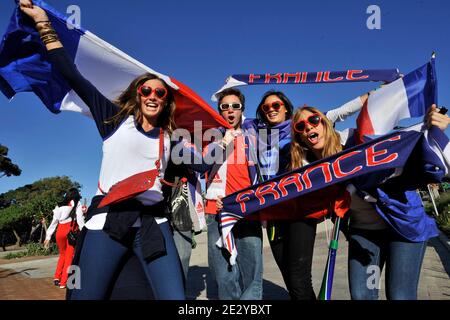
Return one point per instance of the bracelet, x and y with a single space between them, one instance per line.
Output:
49 38
45 32
47 21
44 25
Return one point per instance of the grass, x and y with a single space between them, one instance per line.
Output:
34 249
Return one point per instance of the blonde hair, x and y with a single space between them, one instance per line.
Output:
129 103
299 151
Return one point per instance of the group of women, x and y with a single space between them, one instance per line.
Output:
135 130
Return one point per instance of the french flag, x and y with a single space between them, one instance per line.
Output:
226 224
25 67
406 97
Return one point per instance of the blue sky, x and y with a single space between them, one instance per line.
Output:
201 42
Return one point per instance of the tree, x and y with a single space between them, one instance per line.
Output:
23 208
7 167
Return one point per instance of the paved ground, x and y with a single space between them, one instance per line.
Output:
32 279
434 282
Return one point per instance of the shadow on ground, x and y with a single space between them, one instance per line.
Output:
7 272
200 280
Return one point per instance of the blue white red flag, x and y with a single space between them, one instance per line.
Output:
406 97
25 67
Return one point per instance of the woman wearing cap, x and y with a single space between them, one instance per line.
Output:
68 216
135 131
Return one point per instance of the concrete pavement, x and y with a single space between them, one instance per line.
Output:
434 282
32 279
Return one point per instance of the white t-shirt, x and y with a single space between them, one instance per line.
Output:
61 216
126 152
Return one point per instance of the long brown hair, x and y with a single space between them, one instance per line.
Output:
299 151
130 104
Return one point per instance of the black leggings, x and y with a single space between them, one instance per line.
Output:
292 248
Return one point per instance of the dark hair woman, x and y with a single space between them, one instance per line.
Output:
67 216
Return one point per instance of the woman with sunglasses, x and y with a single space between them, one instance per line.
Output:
274 114
135 131
374 239
291 237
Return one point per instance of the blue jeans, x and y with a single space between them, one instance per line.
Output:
101 256
369 251
244 279
183 242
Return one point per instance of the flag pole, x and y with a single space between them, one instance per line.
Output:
327 280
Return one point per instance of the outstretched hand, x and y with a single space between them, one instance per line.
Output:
34 12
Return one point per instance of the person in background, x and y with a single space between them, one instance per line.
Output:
66 217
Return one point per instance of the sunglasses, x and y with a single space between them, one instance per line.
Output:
313 120
226 106
146 91
274 105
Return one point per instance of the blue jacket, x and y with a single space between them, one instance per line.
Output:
398 203
273 151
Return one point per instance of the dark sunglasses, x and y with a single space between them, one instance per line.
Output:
274 105
313 120
226 106
146 91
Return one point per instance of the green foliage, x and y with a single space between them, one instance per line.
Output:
443 207
34 249
7 167
19 207
441 203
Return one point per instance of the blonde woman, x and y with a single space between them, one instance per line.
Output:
313 138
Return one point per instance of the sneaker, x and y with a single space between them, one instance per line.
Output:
62 287
56 282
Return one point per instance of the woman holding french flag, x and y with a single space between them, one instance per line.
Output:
388 227
135 131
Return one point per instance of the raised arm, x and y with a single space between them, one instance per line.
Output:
346 110
101 107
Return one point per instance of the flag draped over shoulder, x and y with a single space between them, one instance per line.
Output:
406 97
379 157
25 67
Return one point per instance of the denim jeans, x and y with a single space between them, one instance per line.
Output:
369 251
183 242
242 281
293 251
101 257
